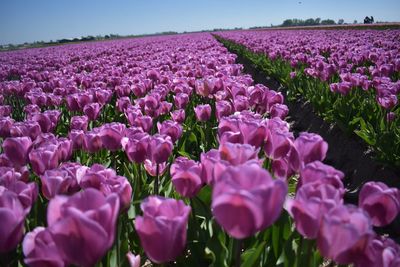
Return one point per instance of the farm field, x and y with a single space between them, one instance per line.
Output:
163 151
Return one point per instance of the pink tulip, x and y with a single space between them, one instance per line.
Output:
244 206
164 221
380 202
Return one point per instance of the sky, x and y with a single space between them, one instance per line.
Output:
44 20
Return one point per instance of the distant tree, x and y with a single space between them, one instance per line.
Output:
340 21
328 22
355 21
287 23
309 22
318 21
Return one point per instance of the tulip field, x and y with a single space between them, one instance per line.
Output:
350 77
161 151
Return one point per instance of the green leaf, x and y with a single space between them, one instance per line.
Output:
252 255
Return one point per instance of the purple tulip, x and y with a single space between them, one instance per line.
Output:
26 128
86 222
164 221
256 94
170 128
279 110
92 111
123 103
278 143
92 141
58 181
308 147
17 149
111 135
390 117
344 233
223 108
151 168
181 100
77 138
134 261
237 154
5 126
317 172
312 201
5 111
281 168
380 202
144 122
135 147
107 181
178 116
131 113
159 148
44 158
244 206
12 217
40 250
186 176
79 123
381 251
203 112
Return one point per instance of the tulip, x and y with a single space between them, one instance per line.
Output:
12 217
79 123
178 115
77 138
170 128
136 147
92 141
186 176
44 158
145 122
344 233
123 103
26 128
244 206
181 100
92 111
164 221
203 112
17 149
223 108
278 143
134 261
159 148
308 147
151 168
317 172
107 181
40 250
57 181
279 110
5 126
312 201
25 192
111 135
237 154
381 251
380 202
85 222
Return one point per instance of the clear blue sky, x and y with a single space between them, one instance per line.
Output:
35 20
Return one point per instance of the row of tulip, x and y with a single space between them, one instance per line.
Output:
350 77
161 148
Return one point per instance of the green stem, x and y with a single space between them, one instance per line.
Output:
238 251
156 180
118 243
